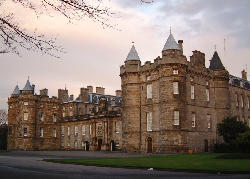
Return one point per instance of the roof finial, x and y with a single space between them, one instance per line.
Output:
215 47
170 30
28 78
65 86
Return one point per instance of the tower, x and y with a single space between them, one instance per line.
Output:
130 85
221 87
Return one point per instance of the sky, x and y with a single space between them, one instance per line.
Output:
94 54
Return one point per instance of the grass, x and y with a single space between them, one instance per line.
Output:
196 162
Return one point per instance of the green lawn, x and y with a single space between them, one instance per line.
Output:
196 162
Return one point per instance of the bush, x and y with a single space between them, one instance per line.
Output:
226 148
244 141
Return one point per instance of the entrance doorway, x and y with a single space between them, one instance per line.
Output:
149 145
86 146
206 145
99 144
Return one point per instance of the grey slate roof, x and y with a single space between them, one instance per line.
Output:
16 90
171 44
236 81
27 86
133 55
215 62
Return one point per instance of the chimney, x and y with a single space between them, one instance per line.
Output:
244 74
84 94
180 42
71 98
118 93
44 92
90 89
33 88
63 95
198 58
100 90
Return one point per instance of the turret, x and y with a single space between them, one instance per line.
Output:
28 89
131 102
16 91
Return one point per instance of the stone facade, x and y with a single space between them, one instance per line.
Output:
37 122
185 99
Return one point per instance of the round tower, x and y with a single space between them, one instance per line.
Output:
130 85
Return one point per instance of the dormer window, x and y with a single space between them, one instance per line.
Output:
25 103
175 72
149 78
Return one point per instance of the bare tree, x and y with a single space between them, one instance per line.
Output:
3 117
14 37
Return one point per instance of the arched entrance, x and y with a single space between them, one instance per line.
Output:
206 145
99 144
149 145
112 146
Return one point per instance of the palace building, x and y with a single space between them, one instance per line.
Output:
170 105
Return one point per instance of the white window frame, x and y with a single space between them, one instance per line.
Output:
175 87
242 101
149 121
41 131
83 130
41 116
90 130
209 121
176 118
192 91
149 91
117 127
76 130
68 131
207 94
25 116
148 77
71 113
54 132
62 130
54 117
193 116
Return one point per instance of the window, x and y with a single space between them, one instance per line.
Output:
54 117
192 91
41 116
149 121
175 72
191 79
41 132
54 107
149 91
68 144
76 130
62 130
75 144
10 106
25 131
117 127
176 118
175 87
237 100
208 121
68 131
25 116
10 130
242 101
25 103
149 78
83 130
90 130
63 114
54 132
241 84
207 84
207 94
71 113
193 119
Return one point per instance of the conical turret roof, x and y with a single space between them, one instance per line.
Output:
215 62
27 86
171 44
16 91
133 55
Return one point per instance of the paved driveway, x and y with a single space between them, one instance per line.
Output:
30 165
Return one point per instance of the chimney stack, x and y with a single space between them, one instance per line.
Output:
180 42
100 90
244 74
90 89
118 93
44 92
84 94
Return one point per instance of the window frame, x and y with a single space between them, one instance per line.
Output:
149 121
149 91
193 120
176 117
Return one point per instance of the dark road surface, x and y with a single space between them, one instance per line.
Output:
29 165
